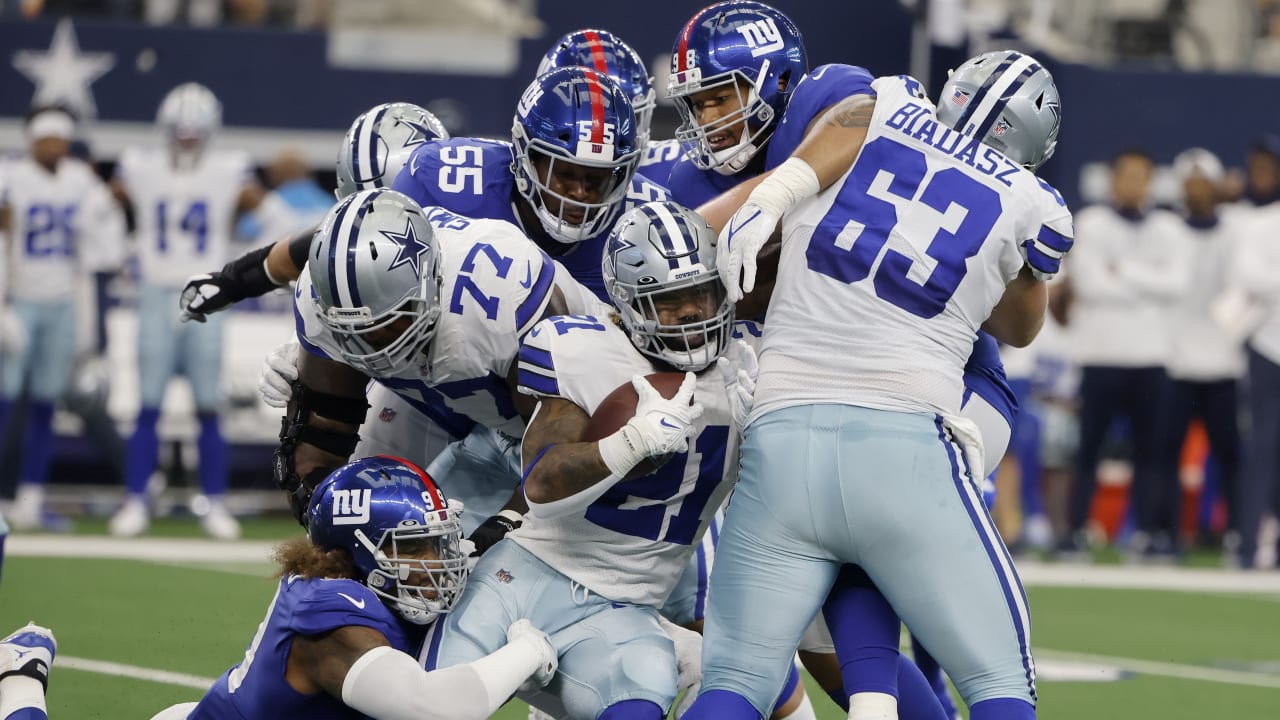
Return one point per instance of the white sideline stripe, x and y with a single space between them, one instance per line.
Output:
186 550
1124 577
1174 670
103 667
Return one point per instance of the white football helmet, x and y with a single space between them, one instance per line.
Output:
379 143
189 115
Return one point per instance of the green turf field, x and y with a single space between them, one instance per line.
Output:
185 615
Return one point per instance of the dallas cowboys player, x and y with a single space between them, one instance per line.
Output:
907 347
184 196
383 562
588 561
430 303
55 210
606 53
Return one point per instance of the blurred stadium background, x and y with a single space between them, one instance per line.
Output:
143 623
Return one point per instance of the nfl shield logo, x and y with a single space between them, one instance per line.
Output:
387 414
1000 128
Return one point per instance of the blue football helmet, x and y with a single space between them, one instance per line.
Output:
755 50
575 123
404 536
661 254
379 143
605 52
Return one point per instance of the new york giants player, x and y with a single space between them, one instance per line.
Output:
55 209
430 303
903 185
597 555
184 196
383 561
606 53
26 658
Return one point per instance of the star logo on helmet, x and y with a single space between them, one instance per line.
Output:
418 133
411 248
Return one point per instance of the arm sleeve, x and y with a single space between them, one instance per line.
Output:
387 684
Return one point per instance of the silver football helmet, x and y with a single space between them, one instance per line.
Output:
660 271
1007 100
189 116
375 270
379 143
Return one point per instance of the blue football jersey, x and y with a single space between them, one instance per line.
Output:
256 688
816 91
984 376
473 178
660 156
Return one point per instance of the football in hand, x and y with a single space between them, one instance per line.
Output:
619 406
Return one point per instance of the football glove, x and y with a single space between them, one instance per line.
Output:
738 368
739 245
279 371
494 529
523 631
244 277
660 426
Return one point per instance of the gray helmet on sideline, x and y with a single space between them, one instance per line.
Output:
379 143
1007 100
661 260
375 264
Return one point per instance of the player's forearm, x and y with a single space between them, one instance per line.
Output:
289 255
563 471
389 685
1018 317
836 139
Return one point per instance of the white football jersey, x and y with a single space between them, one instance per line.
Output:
183 216
886 276
630 545
57 218
496 286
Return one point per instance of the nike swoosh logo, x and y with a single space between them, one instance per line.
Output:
358 603
744 223
663 422
528 276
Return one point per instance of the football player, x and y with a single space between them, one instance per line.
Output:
606 53
382 563
54 209
590 560
430 303
184 197
26 657
907 349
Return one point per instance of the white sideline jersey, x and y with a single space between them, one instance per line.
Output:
632 544
59 221
886 276
183 216
496 286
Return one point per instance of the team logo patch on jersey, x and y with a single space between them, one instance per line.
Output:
387 414
504 577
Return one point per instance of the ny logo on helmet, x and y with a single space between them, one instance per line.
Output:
762 35
529 99
351 507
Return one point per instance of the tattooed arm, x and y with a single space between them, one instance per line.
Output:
568 466
833 140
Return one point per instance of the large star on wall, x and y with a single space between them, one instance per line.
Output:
62 74
410 250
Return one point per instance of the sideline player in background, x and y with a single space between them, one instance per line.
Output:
902 175
184 197
53 207
382 563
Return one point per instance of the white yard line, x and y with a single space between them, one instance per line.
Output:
103 667
1164 669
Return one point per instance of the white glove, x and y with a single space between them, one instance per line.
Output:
523 631
13 333
688 663
738 368
278 373
28 651
739 244
660 426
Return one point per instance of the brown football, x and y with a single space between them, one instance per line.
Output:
619 406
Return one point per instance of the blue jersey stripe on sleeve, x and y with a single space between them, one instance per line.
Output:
537 382
537 356
1054 240
528 311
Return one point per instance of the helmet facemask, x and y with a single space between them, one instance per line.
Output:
575 220
698 315
643 106
755 114
421 567
361 335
